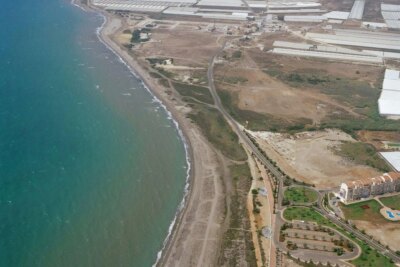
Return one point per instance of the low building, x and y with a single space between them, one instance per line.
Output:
369 187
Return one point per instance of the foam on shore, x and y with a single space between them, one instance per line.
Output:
176 124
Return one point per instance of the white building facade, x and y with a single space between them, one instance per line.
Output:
369 187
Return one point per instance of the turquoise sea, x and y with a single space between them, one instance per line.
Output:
92 170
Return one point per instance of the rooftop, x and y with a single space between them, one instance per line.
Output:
386 177
393 158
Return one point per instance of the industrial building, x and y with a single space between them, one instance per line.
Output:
389 101
369 187
392 158
324 51
357 10
391 15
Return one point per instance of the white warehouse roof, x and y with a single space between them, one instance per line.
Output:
337 15
389 102
391 85
392 74
393 158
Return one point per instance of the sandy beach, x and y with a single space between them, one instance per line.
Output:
195 238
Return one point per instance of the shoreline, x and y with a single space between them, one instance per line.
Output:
138 72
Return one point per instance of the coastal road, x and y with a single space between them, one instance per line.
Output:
244 139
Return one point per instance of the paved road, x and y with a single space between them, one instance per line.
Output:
374 244
238 128
244 139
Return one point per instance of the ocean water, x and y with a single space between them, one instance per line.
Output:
92 170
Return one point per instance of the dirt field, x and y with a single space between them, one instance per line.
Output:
387 233
186 45
263 94
379 139
291 64
287 88
309 157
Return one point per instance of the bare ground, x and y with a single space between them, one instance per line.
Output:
309 157
388 233
264 94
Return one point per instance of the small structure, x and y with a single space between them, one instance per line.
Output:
368 187
144 36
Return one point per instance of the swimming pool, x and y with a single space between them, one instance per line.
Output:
390 214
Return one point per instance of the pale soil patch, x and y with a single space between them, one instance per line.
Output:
310 157
123 38
387 233
286 262
186 47
264 94
292 64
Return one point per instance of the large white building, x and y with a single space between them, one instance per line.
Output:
368 187
389 102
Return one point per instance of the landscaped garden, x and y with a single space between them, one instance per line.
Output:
368 257
392 202
300 195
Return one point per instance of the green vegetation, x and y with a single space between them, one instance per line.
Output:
305 214
199 93
392 202
156 60
135 36
362 153
371 258
166 73
368 257
240 171
394 145
155 75
234 80
256 121
236 240
237 54
361 96
218 131
164 82
301 194
366 211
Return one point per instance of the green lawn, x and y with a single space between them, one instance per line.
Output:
300 195
366 211
368 257
371 258
391 202
305 214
